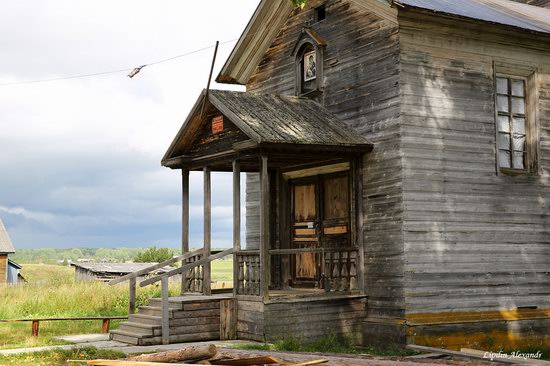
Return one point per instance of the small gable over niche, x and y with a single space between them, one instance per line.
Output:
308 54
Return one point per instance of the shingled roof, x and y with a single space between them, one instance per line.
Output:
504 12
6 245
274 119
283 119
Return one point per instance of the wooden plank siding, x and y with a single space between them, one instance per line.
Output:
361 87
3 268
477 243
312 319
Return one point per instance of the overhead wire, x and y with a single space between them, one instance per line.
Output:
78 76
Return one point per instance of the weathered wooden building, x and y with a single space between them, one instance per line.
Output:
106 272
403 152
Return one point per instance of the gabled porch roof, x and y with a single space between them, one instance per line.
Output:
300 130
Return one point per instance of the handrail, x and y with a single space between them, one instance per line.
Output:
311 250
149 269
186 267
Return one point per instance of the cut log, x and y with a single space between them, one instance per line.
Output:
127 363
195 353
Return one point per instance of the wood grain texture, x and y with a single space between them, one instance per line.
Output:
3 268
361 87
476 241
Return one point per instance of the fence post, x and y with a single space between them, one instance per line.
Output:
165 311
132 296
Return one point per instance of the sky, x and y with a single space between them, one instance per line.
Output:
80 158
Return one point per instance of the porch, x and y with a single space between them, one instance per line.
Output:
305 269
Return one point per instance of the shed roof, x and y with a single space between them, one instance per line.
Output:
273 119
6 245
13 264
504 12
117 267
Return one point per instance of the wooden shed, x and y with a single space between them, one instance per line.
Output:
106 272
7 267
398 160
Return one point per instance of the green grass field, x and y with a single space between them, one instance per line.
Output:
52 292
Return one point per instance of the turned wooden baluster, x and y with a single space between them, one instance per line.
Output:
344 282
247 275
335 272
200 276
240 289
353 272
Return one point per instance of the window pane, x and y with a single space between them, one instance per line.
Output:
504 159
518 88
518 160
518 105
504 124
518 125
504 141
502 85
519 142
502 104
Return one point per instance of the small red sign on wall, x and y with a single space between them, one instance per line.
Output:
217 124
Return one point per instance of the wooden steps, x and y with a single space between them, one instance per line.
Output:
192 318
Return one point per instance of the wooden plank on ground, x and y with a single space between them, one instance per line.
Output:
307 363
263 360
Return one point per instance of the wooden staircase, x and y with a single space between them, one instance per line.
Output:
192 318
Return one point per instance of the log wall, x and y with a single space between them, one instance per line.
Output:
477 242
361 87
305 319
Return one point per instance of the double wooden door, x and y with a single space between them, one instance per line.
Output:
320 218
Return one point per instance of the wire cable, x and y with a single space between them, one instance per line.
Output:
114 71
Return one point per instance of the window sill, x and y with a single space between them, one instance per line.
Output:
515 172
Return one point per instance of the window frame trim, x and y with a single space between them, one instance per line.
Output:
532 153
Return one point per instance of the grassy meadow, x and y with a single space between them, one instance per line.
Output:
51 291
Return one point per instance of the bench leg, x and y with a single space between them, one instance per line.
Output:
106 325
35 327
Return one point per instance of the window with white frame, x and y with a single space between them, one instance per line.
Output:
512 124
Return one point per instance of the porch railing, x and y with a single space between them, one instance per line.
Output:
163 278
337 268
248 280
132 277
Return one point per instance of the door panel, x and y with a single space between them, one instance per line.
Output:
336 211
305 233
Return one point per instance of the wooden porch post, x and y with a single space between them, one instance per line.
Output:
184 221
264 229
358 177
236 222
207 231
